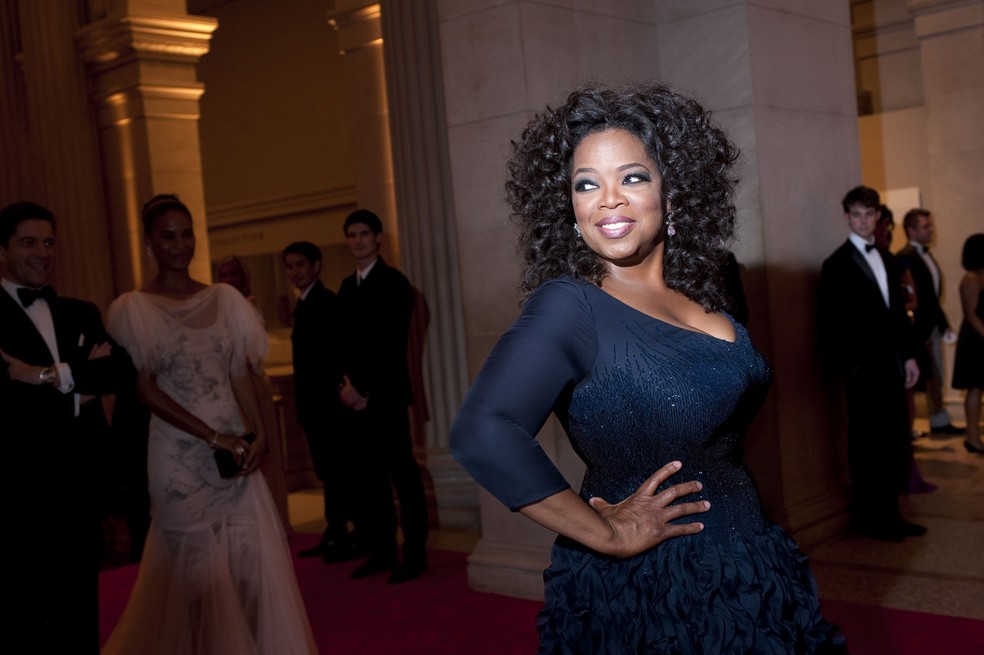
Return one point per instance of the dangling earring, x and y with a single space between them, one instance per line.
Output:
577 231
670 230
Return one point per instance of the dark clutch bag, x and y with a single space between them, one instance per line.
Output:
227 462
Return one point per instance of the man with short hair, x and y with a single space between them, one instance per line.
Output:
929 321
867 336
316 344
55 359
376 304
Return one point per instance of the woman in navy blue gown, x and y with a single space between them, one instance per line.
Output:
624 198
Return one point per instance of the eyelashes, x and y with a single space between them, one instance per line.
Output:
584 184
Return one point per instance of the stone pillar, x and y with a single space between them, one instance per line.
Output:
951 46
361 42
16 175
428 235
59 148
142 58
781 83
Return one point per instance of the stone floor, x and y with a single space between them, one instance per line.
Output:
941 572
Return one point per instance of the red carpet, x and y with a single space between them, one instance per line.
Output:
439 615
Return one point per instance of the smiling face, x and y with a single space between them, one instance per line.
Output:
172 241
29 256
300 271
617 198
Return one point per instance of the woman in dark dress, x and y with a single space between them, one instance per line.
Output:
625 202
968 367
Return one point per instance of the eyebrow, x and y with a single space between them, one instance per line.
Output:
623 167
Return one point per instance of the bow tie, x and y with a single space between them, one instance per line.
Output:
28 296
868 247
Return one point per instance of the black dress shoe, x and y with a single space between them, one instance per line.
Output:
406 573
372 566
912 529
971 448
949 428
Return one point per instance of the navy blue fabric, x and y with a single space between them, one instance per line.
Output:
635 393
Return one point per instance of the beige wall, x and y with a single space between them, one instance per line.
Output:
924 60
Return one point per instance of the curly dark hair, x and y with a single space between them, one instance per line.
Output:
695 160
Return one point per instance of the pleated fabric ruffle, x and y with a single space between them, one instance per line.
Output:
688 596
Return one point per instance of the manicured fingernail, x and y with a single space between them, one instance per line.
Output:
700 526
700 485
707 505
676 465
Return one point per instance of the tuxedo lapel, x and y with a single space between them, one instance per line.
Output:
862 264
18 335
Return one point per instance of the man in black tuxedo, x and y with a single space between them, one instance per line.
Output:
56 360
868 337
317 375
929 321
376 303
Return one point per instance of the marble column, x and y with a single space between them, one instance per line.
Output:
781 83
428 235
142 59
360 40
951 52
16 175
60 148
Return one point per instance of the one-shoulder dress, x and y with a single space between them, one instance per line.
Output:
216 575
634 393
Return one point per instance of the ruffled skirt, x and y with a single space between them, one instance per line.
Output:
688 596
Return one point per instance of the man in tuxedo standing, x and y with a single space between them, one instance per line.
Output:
929 321
56 360
317 374
868 337
376 305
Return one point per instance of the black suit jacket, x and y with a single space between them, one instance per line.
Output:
375 329
42 409
860 334
928 314
50 491
316 344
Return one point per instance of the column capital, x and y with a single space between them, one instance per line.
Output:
112 40
115 49
357 26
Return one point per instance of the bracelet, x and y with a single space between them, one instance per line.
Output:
213 441
47 375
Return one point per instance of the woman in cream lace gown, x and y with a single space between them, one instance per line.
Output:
216 576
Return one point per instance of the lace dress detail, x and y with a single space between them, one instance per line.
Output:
216 576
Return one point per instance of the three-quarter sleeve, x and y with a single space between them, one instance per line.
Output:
549 349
